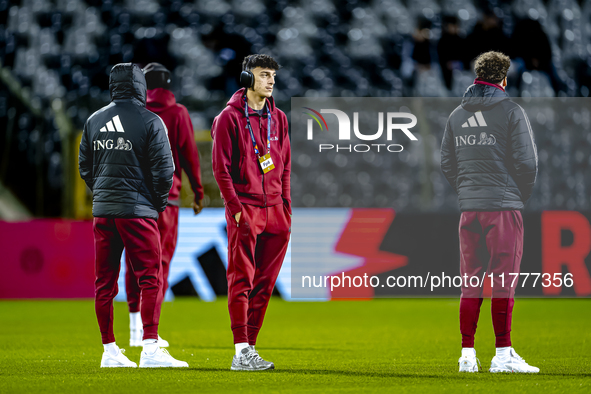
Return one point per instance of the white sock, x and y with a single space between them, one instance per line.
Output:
468 352
239 347
135 321
112 348
503 352
150 346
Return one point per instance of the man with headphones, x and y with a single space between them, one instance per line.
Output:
252 165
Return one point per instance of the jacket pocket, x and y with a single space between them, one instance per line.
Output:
232 218
287 217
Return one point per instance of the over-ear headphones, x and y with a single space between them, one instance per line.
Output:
247 77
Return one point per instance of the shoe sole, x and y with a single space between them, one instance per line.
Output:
499 370
118 366
233 368
163 366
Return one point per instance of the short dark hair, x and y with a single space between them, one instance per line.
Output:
492 66
259 60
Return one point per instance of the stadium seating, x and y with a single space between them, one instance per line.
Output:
64 50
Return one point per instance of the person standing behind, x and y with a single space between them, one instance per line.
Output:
450 49
125 160
489 157
161 101
252 165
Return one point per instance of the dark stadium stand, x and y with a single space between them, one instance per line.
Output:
60 53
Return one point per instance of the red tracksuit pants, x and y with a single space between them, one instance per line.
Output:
256 249
491 241
141 240
168 227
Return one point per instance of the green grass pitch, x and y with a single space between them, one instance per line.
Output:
406 345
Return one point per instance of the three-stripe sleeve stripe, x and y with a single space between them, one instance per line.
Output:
531 135
166 131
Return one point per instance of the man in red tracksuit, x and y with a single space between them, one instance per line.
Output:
125 160
489 157
161 101
252 166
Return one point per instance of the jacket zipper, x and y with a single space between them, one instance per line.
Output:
263 178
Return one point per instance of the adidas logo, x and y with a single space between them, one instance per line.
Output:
476 120
113 125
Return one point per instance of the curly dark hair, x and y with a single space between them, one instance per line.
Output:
492 66
259 60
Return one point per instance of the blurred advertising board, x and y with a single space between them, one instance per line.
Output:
54 258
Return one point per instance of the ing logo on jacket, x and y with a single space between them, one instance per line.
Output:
109 144
470 139
122 145
487 140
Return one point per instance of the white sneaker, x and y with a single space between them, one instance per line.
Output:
468 364
249 360
118 361
513 364
135 338
160 359
162 342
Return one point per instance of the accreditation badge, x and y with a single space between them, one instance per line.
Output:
266 163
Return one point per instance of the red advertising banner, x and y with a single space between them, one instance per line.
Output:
46 258
557 254
390 251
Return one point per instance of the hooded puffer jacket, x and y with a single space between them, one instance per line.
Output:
125 157
488 153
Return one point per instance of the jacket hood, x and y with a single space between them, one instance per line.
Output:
127 82
159 100
482 97
237 101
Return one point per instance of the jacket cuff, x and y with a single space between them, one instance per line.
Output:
234 206
198 195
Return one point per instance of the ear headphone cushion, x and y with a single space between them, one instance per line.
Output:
246 79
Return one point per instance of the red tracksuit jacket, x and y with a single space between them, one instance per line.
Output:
182 140
235 165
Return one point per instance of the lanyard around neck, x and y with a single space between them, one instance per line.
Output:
249 127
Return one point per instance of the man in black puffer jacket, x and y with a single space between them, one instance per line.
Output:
489 157
125 160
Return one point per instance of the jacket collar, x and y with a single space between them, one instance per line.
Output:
479 81
237 101
482 96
